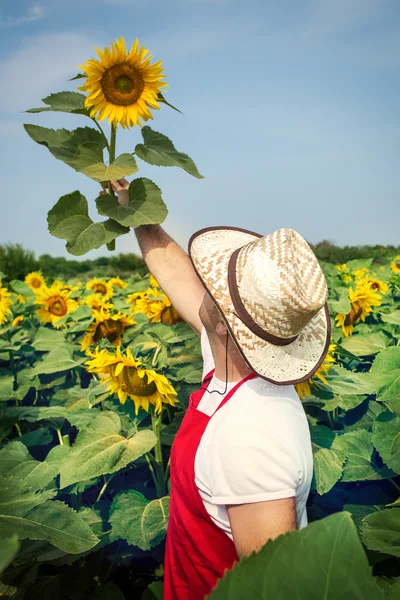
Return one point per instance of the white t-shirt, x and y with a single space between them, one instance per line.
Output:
256 447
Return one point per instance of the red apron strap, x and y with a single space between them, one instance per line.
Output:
209 375
233 390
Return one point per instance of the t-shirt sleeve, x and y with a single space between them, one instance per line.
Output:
251 464
208 359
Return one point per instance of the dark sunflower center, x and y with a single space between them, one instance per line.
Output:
36 283
109 329
58 306
100 288
130 382
122 84
352 316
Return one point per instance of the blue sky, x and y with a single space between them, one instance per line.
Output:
290 112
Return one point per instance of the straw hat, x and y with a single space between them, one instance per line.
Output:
273 295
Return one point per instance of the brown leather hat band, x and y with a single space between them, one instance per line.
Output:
241 311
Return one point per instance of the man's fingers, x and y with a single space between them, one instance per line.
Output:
120 184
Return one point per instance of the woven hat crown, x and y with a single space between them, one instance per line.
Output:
277 285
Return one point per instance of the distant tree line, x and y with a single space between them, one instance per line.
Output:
16 262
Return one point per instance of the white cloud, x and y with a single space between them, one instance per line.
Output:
40 67
34 13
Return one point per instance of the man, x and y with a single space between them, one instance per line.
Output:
241 462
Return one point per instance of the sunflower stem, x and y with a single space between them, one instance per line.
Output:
160 485
111 152
102 133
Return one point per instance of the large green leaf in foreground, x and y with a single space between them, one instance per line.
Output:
324 560
100 448
69 220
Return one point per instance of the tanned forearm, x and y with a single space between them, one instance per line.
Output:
173 270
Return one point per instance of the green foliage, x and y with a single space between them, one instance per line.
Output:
84 478
328 252
16 262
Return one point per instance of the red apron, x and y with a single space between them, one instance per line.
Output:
197 551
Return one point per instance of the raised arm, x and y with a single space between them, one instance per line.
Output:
169 264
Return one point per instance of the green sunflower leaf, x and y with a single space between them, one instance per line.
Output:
68 102
328 459
145 206
55 522
360 462
366 345
138 521
46 339
393 317
89 161
46 136
341 306
59 359
159 150
81 149
6 387
386 438
79 76
8 551
69 220
385 372
380 531
161 98
100 449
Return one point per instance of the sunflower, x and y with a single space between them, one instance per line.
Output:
5 303
375 284
341 267
395 266
18 321
117 282
360 273
55 304
100 286
130 379
164 312
35 280
107 326
347 279
153 281
65 286
98 302
362 299
122 86
304 388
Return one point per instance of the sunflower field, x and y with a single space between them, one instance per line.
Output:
95 378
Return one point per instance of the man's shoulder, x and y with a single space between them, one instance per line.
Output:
257 409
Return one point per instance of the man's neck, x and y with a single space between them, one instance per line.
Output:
237 367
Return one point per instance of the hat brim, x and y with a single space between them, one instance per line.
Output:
210 250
